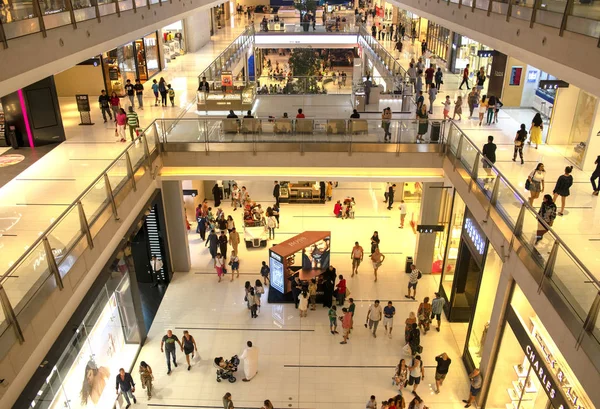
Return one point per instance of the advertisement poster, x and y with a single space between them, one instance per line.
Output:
515 76
317 255
226 79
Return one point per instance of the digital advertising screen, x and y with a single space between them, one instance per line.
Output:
277 272
317 255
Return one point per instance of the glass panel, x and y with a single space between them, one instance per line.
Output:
52 6
136 153
151 45
573 284
486 176
454 136
584 26
16 10
94 201
27 277
65 234
468 154
508 202
485 304
117 175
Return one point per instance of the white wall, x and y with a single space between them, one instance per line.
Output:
197 30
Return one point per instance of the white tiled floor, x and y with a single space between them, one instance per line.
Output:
301 364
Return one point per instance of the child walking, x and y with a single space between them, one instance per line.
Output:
447 103
333 320
171 93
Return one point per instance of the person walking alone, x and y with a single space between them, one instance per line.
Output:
374 315
104 103
276 192
388 318
390 197
271 225
562 187
547 213
536 182
227 402
535 132
437 306
357 257
346 325
519 141
189 347
413 280
167 345
377 260
133 123
441 370
465 79
403 212
139 93
146 377
374 241
432 96
125 382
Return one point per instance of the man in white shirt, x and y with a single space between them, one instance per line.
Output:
373 317
402 213
413 280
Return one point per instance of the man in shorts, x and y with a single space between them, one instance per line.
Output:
416 373
441 370
413 280
476 382
388 318
437 306
357 257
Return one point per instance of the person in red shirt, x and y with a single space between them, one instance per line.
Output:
465 78
337 209
300 114
341 290
429 73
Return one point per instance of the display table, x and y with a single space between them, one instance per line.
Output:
301 192
306 256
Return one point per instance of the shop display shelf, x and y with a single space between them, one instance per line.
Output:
521 374
530 389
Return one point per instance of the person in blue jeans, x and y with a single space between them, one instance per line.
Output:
125 382
168 342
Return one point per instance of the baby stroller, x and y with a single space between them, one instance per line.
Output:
225 369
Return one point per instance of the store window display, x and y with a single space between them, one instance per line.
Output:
173 41
106 340
483 309
527 356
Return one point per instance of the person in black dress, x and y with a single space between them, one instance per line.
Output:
489 152
328 285
217 194
374 241
223 244
562 187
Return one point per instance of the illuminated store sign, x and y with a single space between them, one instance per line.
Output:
540 365
476 237
277 272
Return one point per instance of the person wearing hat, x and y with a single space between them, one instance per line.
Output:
437 306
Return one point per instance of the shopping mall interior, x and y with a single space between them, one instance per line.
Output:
312 110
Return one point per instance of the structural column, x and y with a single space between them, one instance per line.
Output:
172 196
430 212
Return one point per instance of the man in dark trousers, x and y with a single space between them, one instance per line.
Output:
203 86
391 195
104 102
276 191
125 382
322 191
212 242
223 244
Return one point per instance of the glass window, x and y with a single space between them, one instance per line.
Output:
126 61
140 60
105 341
456 222
151 46
485 304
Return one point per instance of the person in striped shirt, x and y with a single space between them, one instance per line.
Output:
132 121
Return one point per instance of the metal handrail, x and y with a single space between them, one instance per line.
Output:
73 205
525 203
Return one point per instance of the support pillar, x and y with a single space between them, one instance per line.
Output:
430 212
172 196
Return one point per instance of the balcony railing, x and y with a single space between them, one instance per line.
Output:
566 281
46 261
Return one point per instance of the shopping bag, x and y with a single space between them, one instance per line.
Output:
406 349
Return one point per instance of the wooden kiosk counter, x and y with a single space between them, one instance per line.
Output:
306 255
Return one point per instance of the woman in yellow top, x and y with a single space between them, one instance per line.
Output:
535 132
483 106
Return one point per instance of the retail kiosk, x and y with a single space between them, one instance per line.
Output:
306 255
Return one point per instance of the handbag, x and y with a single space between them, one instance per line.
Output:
527 184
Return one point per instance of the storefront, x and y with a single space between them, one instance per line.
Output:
438 38
466 51
173 41
529 371
138 59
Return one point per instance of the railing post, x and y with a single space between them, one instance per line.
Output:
38 10
3 37
518 230
508 10
85 227
536 5
590 321
164 135
146 151
117 8
134 6
475 171
549 267
148 4
460 4
110 196
52 266
490 5
206 142
473 4
565 16
9 315
69 4
130 170
458 149
495 190
97 9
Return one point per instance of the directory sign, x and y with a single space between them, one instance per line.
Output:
277 272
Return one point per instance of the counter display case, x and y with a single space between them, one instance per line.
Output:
241 99
300 192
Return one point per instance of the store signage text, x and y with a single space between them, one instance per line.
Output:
541 372
473 233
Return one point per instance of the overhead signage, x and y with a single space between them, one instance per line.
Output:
429 228
486 53
542 368
472 232
553 84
